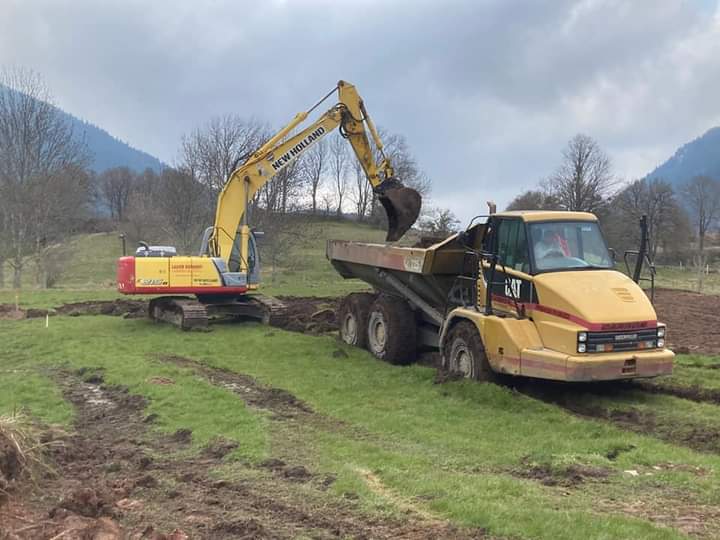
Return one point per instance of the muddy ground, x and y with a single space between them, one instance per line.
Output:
693 319
114 480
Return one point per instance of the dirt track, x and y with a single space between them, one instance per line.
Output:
117 481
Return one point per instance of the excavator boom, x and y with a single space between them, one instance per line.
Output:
401 204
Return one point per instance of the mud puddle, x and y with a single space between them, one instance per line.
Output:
114 480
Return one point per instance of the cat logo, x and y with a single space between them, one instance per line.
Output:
512 287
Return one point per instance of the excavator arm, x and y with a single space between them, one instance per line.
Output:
401 204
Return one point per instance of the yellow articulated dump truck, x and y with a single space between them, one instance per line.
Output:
527 293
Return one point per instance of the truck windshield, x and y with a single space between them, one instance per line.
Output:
568 244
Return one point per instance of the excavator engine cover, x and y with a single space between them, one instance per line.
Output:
402 206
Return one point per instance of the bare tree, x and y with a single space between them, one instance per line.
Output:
584 179
362 193
702 194
186 206
314 165
116 186
37 151
439 222
654 198
534 200
214 150
338 153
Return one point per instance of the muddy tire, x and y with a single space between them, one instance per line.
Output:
392 330
353 316
464 354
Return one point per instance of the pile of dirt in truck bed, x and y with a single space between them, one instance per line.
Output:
693 320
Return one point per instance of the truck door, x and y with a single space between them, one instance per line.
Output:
507 237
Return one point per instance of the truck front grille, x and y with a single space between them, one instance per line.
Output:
634 340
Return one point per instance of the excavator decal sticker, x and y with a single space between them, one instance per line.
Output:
296 150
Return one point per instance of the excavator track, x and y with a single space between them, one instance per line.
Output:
191 314
275 311
181 311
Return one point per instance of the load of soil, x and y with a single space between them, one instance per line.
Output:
116 479
693 320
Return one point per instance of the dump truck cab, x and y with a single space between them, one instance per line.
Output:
530 293
552 305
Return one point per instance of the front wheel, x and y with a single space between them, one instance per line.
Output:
464 353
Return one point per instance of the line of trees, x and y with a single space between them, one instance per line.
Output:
584 181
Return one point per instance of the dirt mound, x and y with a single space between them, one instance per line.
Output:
569 476
10 465
8 312
309 314
120 308
693 320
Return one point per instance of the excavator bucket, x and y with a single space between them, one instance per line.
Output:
402 206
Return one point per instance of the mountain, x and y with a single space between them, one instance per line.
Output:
698 157
107 151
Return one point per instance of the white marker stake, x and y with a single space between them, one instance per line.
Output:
47 320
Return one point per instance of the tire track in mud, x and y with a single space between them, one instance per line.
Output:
284 406
115 479
578 400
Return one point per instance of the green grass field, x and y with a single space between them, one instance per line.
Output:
518 464
458 450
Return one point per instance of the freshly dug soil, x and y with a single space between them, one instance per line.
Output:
693 320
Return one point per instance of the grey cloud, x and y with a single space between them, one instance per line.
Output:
487 92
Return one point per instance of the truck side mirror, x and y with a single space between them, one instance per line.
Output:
613 254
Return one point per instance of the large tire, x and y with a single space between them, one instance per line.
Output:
392 330
353 316
464 354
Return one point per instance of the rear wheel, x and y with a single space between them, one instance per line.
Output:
392 330
464 353
353 318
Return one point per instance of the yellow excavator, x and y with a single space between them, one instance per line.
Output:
228 266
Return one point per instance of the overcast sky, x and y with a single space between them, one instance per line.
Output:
487 92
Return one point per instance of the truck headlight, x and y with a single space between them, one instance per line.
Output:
660 331
581 347
582 337
660 343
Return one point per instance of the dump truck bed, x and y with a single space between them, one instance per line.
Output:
423 276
